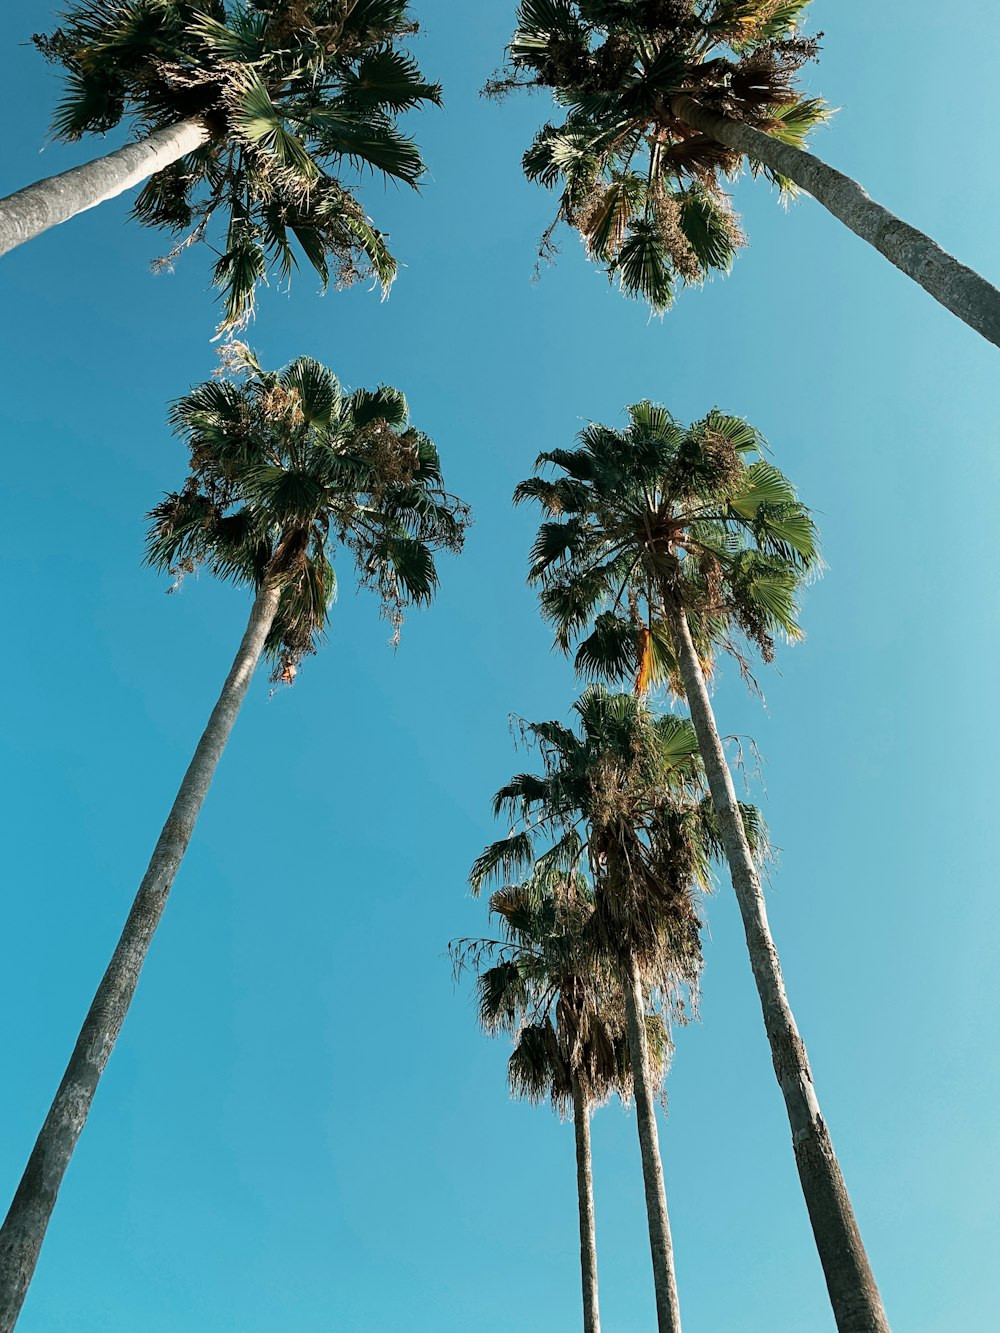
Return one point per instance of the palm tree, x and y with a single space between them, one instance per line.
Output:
540 983
242 108
283 468
671 542
665 101
624 799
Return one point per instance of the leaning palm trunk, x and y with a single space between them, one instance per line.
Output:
961 290
56 199
857 1305
24 1228
585 1197
668 1313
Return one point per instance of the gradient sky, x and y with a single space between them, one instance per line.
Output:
301 1128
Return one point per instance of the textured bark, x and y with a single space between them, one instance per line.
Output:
585 1198
668 1313
56 199
959 289
24 1228
857 1305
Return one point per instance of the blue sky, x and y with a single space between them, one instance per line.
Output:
301 1128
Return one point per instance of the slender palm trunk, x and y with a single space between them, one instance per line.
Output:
585 1198
857 1305
960 289
24 1228
56 199
668 1312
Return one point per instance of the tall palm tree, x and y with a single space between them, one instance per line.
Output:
665 100
283 468
622 799
541 983
669 543
242 110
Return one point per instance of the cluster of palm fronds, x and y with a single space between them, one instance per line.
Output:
291 95
662 545
284 465
660 514
646 192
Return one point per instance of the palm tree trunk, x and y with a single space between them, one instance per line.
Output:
961 290
668 1312
24 1228
585 1198
56 199
857 1305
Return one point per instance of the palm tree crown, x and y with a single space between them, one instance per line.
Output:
284 465
290 91
622 798
644 190
543 983
662 514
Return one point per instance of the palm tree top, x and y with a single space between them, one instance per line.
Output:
620 799
644 190
541 981
292 92
661 512
284 467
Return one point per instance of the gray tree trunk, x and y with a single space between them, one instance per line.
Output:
585 1199
857 1305
960 289
24 1228
36 208
668 1312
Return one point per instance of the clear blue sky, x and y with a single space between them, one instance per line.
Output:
301 1128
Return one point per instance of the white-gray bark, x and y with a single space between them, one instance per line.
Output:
585 1199
36 208
24 1228
959 289
668 1312
857 1305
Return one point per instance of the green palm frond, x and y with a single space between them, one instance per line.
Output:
507 858
388 78
643 266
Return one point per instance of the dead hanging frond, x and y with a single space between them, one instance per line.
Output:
645 674
666 211
165 263
547 251
279 401
753 772
178 573
236 361
392 456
